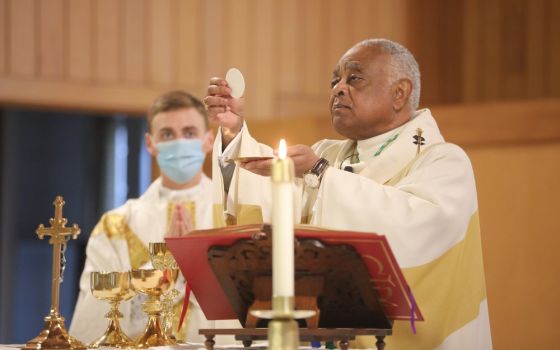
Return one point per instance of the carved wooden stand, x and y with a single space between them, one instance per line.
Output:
329 279
342 335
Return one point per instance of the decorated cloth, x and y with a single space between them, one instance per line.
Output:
422 198
119 242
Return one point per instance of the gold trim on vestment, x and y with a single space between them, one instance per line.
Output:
115 226
448 290
218 219
246 214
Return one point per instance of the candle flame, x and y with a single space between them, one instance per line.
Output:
282 149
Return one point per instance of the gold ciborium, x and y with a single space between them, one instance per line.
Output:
162 259
153 283
113 287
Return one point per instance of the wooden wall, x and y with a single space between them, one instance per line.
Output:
117 55
486 50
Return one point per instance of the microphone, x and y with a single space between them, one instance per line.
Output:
349 169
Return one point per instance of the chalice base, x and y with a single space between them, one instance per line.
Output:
54 336
154 335
113 337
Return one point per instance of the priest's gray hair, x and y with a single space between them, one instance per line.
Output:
403 63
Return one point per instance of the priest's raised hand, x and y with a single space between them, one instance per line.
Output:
224 110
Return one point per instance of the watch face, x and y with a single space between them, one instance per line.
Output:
311 180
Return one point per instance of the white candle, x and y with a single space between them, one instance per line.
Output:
282 224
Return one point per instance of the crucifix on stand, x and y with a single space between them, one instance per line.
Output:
54 334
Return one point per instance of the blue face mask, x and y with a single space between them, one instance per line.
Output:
180 160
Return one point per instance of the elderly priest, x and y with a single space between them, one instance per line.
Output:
394 175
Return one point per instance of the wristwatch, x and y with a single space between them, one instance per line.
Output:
312 178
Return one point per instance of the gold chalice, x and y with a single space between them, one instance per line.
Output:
153 283
162 259
113 287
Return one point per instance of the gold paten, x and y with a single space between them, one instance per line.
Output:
54 334
153 283
162 259
113 287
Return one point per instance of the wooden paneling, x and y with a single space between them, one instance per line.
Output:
162 44
214 32
22 38
288 11
471 49
107 41
391 20
468 50
134 43
537 39
80 40
57 95
189 53
52 21
264 72
314 74
553 46
3 36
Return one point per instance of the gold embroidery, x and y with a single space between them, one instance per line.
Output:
114 226
249 214
246 214
218 215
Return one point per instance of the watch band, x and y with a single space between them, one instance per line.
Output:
319 167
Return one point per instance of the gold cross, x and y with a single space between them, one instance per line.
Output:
54 334
58 230
58 233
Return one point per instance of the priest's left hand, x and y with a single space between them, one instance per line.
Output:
303 156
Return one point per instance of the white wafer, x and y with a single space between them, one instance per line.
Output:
236 82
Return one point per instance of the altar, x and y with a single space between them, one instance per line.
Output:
257 346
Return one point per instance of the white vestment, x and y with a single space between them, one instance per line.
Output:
423 199
119 242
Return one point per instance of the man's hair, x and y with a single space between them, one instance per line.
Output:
403 65
173 100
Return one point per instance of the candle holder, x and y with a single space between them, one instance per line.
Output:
283 330
162 259
113 287
153 283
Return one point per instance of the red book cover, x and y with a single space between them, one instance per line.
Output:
191 254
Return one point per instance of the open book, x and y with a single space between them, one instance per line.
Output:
385 276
